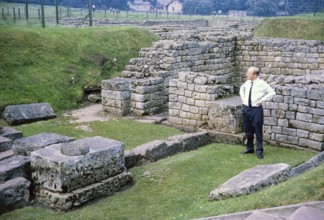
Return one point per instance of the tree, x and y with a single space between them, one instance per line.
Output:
262 7
203 7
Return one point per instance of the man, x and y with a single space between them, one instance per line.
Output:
253 93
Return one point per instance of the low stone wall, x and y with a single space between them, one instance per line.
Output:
192 23
160 149
295 117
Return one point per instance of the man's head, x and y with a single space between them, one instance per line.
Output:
252 73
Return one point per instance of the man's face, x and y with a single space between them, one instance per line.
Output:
250 75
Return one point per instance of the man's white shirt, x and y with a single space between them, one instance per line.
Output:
261 92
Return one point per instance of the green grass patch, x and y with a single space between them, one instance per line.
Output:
178 187
130 132
36 65
301 27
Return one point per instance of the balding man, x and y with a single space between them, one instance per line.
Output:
253 93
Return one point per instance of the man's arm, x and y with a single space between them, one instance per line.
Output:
242 92
270 92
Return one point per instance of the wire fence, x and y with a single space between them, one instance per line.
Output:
55 14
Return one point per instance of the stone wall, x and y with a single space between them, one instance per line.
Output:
190 98
295 117
281 60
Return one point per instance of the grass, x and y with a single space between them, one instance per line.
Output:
178 187
300 27
36 65
124 130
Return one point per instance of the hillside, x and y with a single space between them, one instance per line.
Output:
37 65
308 28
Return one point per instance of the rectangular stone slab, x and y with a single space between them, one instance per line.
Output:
252 180
14 193
19 114
61 173
66 201
25 146
14 166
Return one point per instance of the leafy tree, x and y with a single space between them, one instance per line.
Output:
203 7
262 7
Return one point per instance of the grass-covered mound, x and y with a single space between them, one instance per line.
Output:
307 28
37 65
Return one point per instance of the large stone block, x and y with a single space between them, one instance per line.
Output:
116 84
252 180
25 146
66 201
13 167
19 114
226 115
14 193
53 170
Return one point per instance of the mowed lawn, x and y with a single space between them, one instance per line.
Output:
178 187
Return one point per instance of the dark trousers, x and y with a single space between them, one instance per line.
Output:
253 124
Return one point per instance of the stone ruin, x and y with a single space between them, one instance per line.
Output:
58 171
195 73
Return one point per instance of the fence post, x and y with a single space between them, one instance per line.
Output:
90 12
8 13
3 14
14 13
19 13
43 13
26 9
105 12
56 12
39 15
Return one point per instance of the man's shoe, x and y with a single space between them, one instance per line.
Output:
247 152
260 156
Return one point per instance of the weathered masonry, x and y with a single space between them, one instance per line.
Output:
196 74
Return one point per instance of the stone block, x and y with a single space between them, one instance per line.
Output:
304 117
314 145
14 193
24 146
192 141
57 172
5 144
317 128
252 180
315 95
66 201
19 114
302 133
11 133
226 115
306 212
117 84
15 166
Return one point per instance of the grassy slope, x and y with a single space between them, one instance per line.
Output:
126 131
178 187
308 28
36 64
